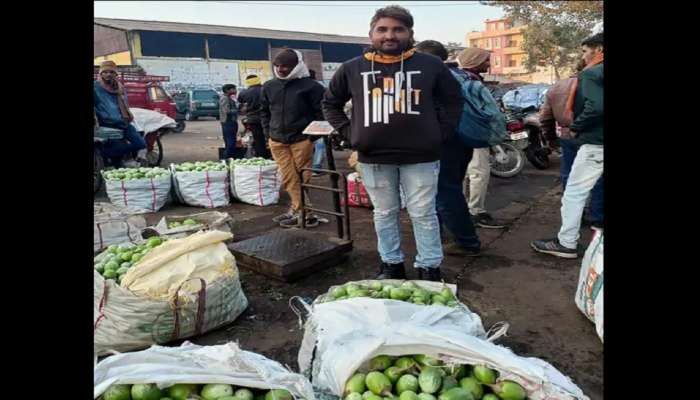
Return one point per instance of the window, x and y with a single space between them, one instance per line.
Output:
497 61
497 43
204 95
488 43
513 63
513 43
157 94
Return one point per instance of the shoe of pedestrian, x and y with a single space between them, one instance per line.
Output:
484 220
294 222
429 274
391 271
282 217
553 247
455 249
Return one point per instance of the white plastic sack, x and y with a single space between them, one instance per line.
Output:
115 227
168 305
149 121
190 363
589 294
209 221
340 337
207 189
258 185
139 195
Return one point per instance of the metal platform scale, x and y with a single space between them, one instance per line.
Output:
290 254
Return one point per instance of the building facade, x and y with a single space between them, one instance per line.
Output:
504 39
195 55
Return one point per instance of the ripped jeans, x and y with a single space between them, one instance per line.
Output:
419 182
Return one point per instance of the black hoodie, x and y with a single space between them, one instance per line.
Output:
388 126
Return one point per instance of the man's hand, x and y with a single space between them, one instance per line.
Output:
340 140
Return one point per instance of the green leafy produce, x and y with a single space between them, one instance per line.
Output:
408 395
201 166
279 394
181 391
243 394
448 382
353 396
116 261
426 396
457 393
393 373
255 162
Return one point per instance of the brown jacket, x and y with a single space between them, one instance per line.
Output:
552 111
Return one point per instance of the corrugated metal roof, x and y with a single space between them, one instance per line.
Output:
163 26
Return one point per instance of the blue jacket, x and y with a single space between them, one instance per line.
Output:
107 108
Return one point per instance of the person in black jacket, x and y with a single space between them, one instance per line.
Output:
289 104
398 133
249 105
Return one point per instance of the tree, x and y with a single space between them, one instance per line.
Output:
554 29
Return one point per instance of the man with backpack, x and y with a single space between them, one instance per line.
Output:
249 105
451 205
585 108
475 61
398 133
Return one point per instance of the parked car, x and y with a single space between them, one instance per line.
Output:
197 103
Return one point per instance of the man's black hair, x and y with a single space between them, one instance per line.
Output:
594 41
433 47
228 87
396 12
251 76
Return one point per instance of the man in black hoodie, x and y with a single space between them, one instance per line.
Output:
249 104
398 134
289 104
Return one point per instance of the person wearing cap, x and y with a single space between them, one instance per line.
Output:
112 111
249 103
289 103
475 61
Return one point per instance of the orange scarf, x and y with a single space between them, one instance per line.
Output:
569 113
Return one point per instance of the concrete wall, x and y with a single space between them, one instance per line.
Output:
188 73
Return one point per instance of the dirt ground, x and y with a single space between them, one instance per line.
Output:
509 282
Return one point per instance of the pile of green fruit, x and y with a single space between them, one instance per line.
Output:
114 262
186 391
255 161
201 166
421 377
407 291
130 174
178 224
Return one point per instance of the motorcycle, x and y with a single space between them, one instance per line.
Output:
507 159
538 149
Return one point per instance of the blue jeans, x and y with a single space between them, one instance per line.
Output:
319 154
452 207
420 182
569 149
115 150
229 130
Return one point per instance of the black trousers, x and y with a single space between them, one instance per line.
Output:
259 142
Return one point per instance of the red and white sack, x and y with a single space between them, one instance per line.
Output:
114 227
589 293
357 194
139 195
208 189
258 185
